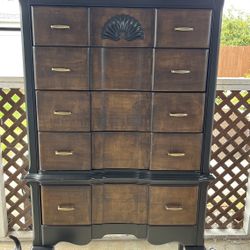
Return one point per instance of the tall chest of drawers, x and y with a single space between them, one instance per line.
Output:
120 102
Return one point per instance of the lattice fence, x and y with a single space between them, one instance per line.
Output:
229 162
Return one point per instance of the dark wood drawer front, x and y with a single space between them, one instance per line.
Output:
176 151
183 28
61 68
119 203
180 70
182 112
172 205
66 205
64 151
63 111
122 27
121 150
60 26
119 68
121 111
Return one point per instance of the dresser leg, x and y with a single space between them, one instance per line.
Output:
195 248
42 248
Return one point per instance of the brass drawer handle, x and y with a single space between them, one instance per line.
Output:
63 153
178 114
60 69
59 27
66 208
176 154
62 113
184 29
180 71
173 207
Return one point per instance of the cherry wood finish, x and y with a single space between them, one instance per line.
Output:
76 198
119 203
50 62
169 64
64 151
76 18
169 19
122 69
77 103
172 205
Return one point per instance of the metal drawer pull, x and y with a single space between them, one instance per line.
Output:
173 207
59 27
176 154
178 114
180 71
66 208
62 113
184 29
64 153
60 69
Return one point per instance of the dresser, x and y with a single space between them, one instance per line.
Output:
120 99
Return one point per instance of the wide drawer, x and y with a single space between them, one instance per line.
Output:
63 111
176 151
172 205
64 26
61 68
178 112
66 205
185 28
64 151
180 70
122 68
122 27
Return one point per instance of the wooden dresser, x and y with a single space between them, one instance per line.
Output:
120 99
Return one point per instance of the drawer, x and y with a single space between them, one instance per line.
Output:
121 111
63 111
61 68
66 205
64 151
185 28
121 150
172 205
119 68
180 70
64 26
178 112
122 27
176 151
119 203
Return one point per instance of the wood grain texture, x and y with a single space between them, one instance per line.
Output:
122 68
121 150
191 104
77 143
43 17
121 111
75 102
119 203
169 19
74 59
165 144
78 197
194 61
99 16
185 197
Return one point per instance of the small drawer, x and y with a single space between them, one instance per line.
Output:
121 150
121 111
185 28
64 151
172 205
178 112
176 151
66 205
180 70
119 203
122 69
61 68
64 26
122 27
63 111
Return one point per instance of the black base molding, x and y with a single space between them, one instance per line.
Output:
42 248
